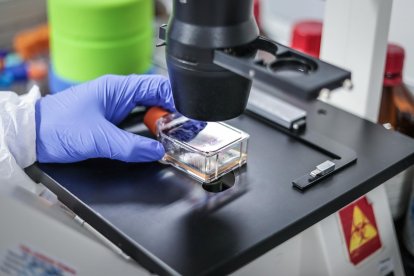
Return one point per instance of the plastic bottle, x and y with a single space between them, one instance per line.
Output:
256 12
90 38
392 82
306 37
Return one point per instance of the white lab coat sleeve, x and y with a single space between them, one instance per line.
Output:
17 134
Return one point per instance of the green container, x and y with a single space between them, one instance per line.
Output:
90 38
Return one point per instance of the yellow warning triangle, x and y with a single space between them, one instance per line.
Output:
362 230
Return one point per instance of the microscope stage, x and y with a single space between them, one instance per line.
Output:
154 212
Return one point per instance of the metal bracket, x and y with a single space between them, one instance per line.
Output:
290 71
276 110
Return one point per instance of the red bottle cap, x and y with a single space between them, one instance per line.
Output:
152 116
256 11
307 37
394 65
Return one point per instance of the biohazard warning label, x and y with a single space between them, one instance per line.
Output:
360 230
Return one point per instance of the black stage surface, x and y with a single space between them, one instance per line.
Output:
145 208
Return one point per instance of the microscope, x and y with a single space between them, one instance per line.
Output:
214 52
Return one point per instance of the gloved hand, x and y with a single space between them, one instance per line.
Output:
80 122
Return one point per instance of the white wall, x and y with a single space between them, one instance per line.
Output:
278 16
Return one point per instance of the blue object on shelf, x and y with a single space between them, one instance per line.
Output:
19 72
6 80
3 53
11 60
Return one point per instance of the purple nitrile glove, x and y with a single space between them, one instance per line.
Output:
80 122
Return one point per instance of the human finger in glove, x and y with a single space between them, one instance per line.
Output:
80 122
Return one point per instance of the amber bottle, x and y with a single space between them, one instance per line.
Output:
397 103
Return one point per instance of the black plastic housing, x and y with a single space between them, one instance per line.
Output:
203 90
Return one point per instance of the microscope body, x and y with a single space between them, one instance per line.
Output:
213 55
